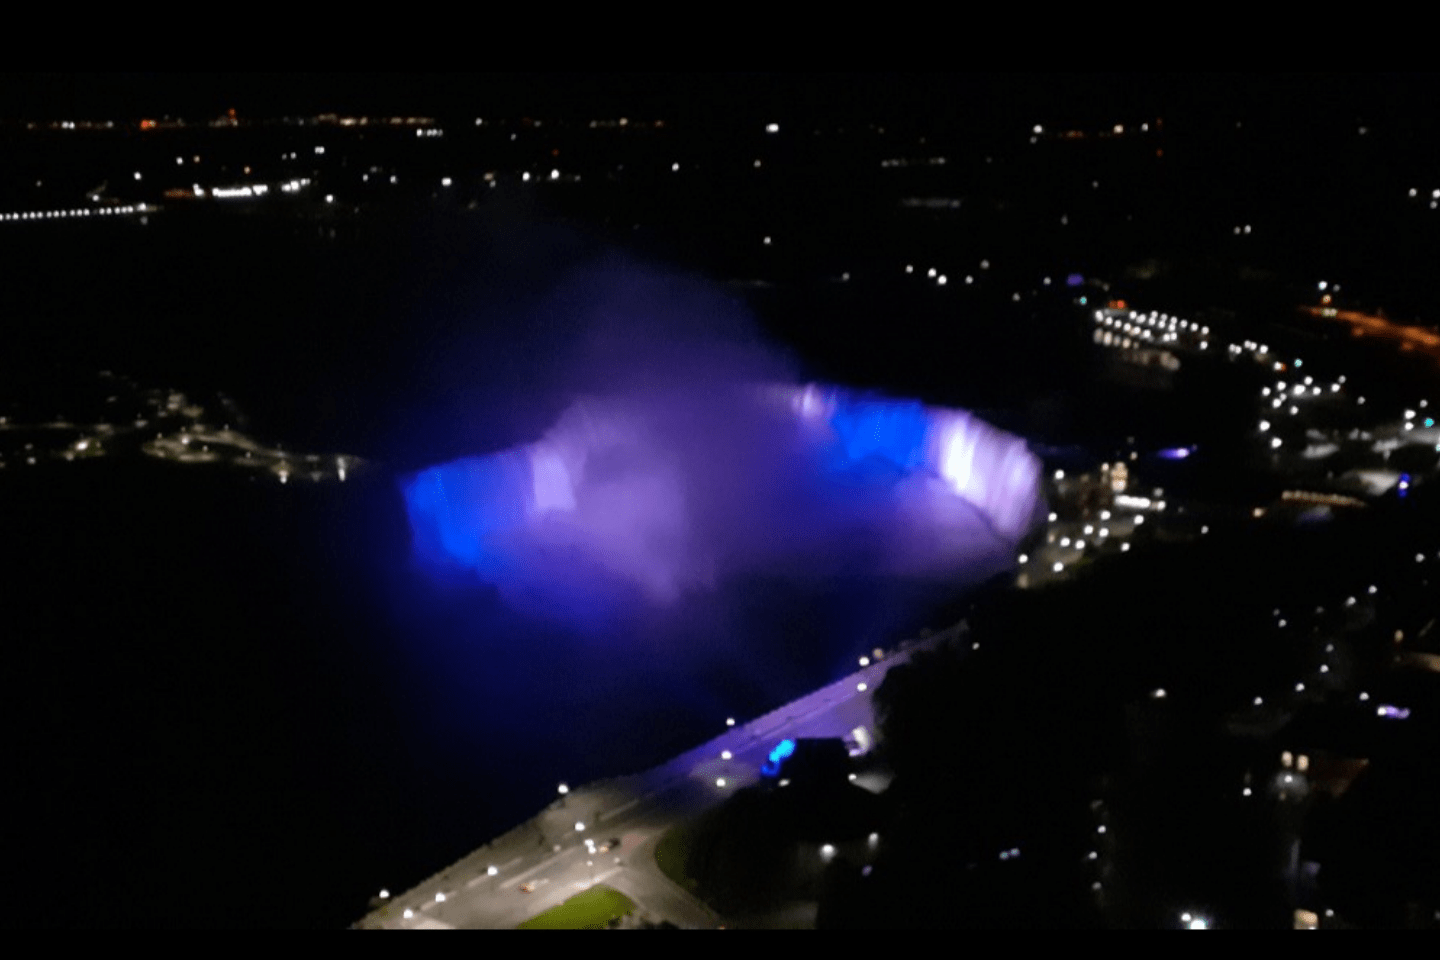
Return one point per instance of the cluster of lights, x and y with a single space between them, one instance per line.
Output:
1434 197
901 162
1087 535
183 438
941 279
1131 328
80 212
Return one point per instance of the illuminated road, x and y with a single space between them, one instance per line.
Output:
1362 324
550 852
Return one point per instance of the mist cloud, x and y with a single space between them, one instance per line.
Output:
688 452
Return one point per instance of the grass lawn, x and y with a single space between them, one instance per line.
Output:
590 910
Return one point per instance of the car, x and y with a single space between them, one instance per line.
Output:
527 887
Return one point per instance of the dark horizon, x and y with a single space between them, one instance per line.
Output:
923 97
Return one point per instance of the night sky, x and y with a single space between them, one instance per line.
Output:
1076 98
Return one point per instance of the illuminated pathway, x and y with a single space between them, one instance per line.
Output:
549 853
74 213
1362 324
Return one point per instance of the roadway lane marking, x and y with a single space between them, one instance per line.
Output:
543 864
599 878
620 809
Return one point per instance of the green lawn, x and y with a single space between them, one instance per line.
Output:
591 910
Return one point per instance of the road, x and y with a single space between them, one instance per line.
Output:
483 891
